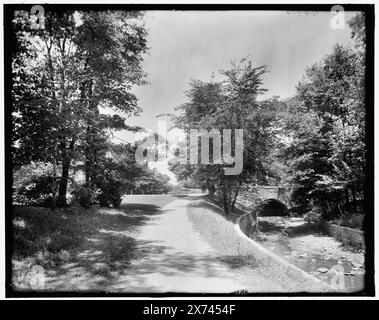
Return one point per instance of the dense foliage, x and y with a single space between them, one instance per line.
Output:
313 142
64 75
82 63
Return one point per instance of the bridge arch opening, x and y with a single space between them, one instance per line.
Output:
272 208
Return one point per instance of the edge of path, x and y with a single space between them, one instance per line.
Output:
231 239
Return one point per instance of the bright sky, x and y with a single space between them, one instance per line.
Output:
194 44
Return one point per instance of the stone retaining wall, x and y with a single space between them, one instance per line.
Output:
277 268
345 235
227 237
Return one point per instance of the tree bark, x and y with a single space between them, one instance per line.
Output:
66 163
62 197
88 162
54 160
211 190
227 198
89 152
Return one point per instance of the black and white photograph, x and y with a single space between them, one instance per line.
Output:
176 150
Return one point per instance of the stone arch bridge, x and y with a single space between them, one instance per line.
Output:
267 200
279 193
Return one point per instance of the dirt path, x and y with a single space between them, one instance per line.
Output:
152 247
174 258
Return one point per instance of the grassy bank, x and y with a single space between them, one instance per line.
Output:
78 248
40 231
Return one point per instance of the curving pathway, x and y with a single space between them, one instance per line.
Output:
175 258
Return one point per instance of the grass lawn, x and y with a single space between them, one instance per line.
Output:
79 249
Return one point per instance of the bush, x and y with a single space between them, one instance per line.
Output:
110 193
83 195
104 193
351 221
32 184
36 191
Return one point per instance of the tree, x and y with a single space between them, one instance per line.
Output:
152 182
230 104
80 62
327 156
115 173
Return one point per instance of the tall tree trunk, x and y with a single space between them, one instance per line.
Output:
66 162
89 135
62 197
227 206
88 161
227 198
54 98
54 183
211 191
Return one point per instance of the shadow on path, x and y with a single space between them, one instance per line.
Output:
105 255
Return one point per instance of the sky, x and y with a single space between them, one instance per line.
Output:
187 45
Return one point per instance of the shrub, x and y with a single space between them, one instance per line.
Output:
36 191
32 184
83 195
351 221
110 193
